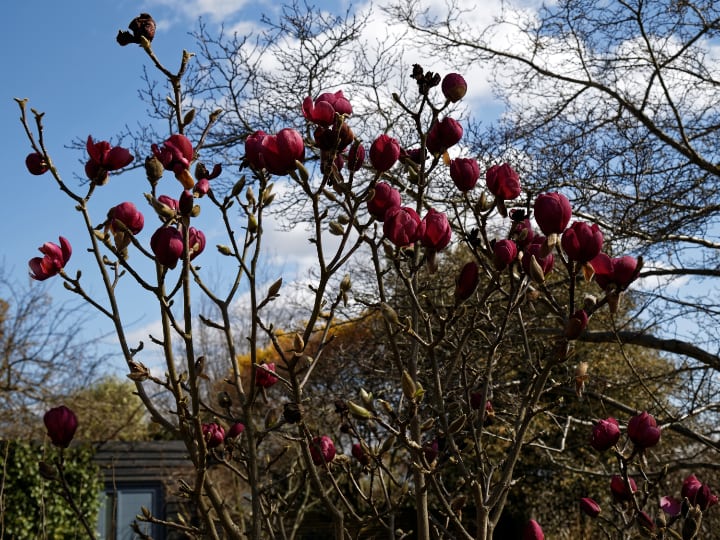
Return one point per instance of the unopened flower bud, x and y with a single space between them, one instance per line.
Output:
153 169
454 87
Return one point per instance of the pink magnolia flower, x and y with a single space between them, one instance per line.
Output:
265 375
61 424
620 271
620 491
533 531
53 260
534 249
443 135
356 156
590 507
196 242
464 173
322 110
670 506
645 521
213 434
503 182
453 87
576 324
322 450
605 434
698 493
176 155
36 164
467 281
384 152
103 159
167 245
127 214
235 430
385 197
504 253
280 152
582 242
643 431
522 232
402 226
435 231
253 149
552 212
360 454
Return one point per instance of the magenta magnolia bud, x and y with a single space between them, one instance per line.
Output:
280 152
522 232
186 202
36 164
322 450
253 149
322 110
670 505
196 241
590 507
533 531
53 260
103 159
142 26
467 281
503 182
620 271
535 248
620 491
435 231
202 187
127 214
384 152
552 212
213 434
454 87
504 253
359 454
356 157
265 375
698 493
431 450
385 197
235 430
443 135
402 226
167 245
176 155
605 434
464 173
645 521
576 324
582 242
643 431
61 424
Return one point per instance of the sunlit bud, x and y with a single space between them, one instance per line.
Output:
454 87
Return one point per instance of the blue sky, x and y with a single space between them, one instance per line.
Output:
64 58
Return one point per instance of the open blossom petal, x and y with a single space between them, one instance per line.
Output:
54 259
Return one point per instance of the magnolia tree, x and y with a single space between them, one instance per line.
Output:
478 293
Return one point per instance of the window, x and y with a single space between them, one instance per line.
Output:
119 506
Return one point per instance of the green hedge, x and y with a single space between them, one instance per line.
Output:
33 507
